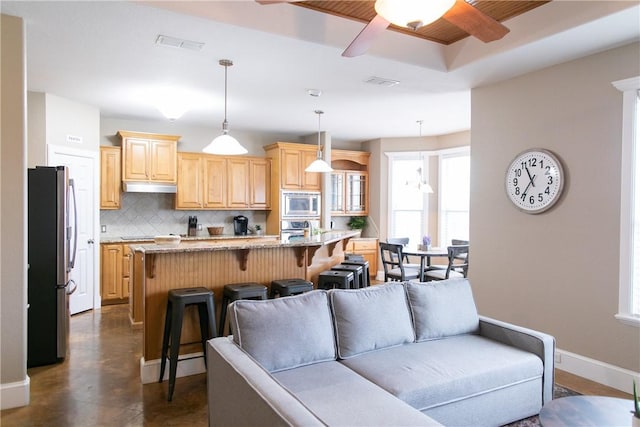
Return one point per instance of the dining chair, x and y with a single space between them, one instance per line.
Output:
458 256
404 241
393 264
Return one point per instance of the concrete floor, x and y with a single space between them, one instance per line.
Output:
99 382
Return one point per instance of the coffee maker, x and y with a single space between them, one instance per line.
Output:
240 225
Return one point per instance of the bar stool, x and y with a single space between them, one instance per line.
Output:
236 291
177 301
365 266
335 279
358 273
286 287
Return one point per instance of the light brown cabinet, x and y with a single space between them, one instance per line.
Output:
350 183
368 248
110 177
149 157
292 159
115 273
218 182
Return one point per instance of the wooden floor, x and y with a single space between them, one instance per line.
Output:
99 382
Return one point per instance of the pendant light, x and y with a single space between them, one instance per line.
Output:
422 184
412 13
319 165
225 144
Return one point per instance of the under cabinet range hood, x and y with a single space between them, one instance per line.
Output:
148 187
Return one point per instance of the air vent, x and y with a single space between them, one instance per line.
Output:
179 43
380 81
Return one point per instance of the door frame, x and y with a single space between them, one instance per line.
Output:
94 155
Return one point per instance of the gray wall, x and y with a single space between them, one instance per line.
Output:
557 271
13 228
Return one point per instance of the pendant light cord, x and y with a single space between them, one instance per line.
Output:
226 63
319 113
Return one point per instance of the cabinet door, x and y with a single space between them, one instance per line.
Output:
126 270
356 193
215 182
337 193
189 192
260 184
135 159
163 161
310 180
110 177
238 185
290 173
111 272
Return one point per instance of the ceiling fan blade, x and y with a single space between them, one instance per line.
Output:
276 1
365 38
475 22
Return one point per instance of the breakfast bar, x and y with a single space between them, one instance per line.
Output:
213 264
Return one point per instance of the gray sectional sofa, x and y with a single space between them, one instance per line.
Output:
397 354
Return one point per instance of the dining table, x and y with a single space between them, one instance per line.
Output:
425 256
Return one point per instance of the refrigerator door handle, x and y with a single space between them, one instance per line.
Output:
69 292
72 189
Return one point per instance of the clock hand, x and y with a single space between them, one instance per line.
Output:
530 177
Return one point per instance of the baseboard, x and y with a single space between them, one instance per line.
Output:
16 394
595 370
150 370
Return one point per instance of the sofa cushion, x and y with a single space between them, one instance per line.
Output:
370 318
285 332
438 372
442 309
338 396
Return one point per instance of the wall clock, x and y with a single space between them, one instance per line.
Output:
534 180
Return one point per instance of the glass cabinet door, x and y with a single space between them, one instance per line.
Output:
356 192
337 192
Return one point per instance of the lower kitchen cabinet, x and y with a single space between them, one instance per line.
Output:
115 270
368 248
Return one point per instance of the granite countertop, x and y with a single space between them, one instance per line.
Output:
149 239
200 245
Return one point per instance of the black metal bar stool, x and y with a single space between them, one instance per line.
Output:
236 291
176 303
365 266
358 273
286 287
335 279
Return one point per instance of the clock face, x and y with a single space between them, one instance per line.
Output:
534 180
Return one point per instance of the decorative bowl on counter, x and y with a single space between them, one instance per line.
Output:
215 231
170 240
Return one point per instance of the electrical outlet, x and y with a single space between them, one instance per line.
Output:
558 358
103 228
199 227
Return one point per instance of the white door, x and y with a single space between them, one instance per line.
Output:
82 169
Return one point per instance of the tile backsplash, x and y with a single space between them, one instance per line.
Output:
152 214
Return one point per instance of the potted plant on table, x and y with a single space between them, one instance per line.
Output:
357 222
635 420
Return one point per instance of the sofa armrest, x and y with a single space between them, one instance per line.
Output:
241 393
541 344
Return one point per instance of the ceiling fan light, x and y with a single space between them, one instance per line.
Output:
412 13
225 145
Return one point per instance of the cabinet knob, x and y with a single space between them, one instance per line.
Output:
90 241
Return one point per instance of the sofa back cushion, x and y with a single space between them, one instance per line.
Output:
285 333
371 318
443 308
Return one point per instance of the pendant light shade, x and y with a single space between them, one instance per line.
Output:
225 144
319 165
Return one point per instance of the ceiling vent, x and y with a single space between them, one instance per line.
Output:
179 43
380 81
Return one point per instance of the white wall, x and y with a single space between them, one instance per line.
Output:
556 271
14 382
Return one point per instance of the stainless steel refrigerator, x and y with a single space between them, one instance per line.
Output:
52 245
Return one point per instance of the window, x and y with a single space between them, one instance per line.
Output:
629 293
454 196
407 203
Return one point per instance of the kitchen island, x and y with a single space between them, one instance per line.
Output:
213 264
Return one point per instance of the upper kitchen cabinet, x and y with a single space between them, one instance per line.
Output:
350 183
149 157
289 162
217 182
110 177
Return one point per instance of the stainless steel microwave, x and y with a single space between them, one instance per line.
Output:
297 204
